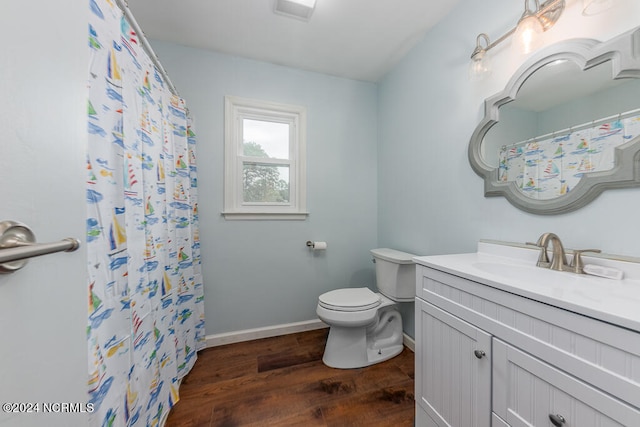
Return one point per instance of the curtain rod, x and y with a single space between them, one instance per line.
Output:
572 129
124 6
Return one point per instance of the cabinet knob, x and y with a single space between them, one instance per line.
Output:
479 354
557 420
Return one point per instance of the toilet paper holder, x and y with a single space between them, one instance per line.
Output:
316 245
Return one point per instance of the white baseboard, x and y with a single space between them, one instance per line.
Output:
409 342
266 332
277 330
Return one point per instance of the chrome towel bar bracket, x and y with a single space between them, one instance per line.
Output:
18 244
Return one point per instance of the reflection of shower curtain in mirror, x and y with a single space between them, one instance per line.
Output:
146 318
551 167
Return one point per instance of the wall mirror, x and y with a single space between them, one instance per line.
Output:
565 128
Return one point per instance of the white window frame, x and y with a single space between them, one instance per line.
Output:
236 110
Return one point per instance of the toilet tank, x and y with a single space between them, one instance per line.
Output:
395 274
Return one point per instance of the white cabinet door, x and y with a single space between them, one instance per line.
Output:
529 392
453 369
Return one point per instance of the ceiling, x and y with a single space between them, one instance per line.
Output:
357 39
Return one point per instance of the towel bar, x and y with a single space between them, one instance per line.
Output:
18 244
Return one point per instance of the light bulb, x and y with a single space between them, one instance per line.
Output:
480 67
527 35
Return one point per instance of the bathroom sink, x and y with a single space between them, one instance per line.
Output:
523 271
513 269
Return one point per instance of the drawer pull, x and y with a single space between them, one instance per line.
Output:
479 354
557 420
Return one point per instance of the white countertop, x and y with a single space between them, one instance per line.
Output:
513 269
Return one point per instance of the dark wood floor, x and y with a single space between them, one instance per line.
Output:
282 381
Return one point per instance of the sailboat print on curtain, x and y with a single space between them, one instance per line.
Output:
553 167
145 315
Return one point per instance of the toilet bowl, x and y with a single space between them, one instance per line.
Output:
366 326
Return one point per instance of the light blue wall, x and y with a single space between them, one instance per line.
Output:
603 104
260 273
430 201
387 167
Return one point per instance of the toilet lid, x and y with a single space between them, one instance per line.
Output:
349 299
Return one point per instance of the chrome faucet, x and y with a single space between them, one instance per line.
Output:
558 258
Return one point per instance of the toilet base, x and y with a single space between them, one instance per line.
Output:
382 354
357 347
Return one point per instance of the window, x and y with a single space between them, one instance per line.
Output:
265 165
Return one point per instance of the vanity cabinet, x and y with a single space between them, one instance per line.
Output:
490 357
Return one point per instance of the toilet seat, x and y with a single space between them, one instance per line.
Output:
349 299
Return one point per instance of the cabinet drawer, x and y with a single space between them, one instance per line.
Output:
601 354
526 391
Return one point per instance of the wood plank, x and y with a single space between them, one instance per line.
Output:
288 358
391 406
282 381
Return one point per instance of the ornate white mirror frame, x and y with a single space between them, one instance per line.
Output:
624 54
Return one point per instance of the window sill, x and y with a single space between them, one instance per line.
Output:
261 216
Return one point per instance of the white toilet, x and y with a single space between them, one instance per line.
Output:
366 327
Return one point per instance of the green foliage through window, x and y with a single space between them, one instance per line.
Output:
264 183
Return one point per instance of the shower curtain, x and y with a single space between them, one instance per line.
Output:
145 319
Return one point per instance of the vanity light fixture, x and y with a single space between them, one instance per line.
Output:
526 33
299 9
480 65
